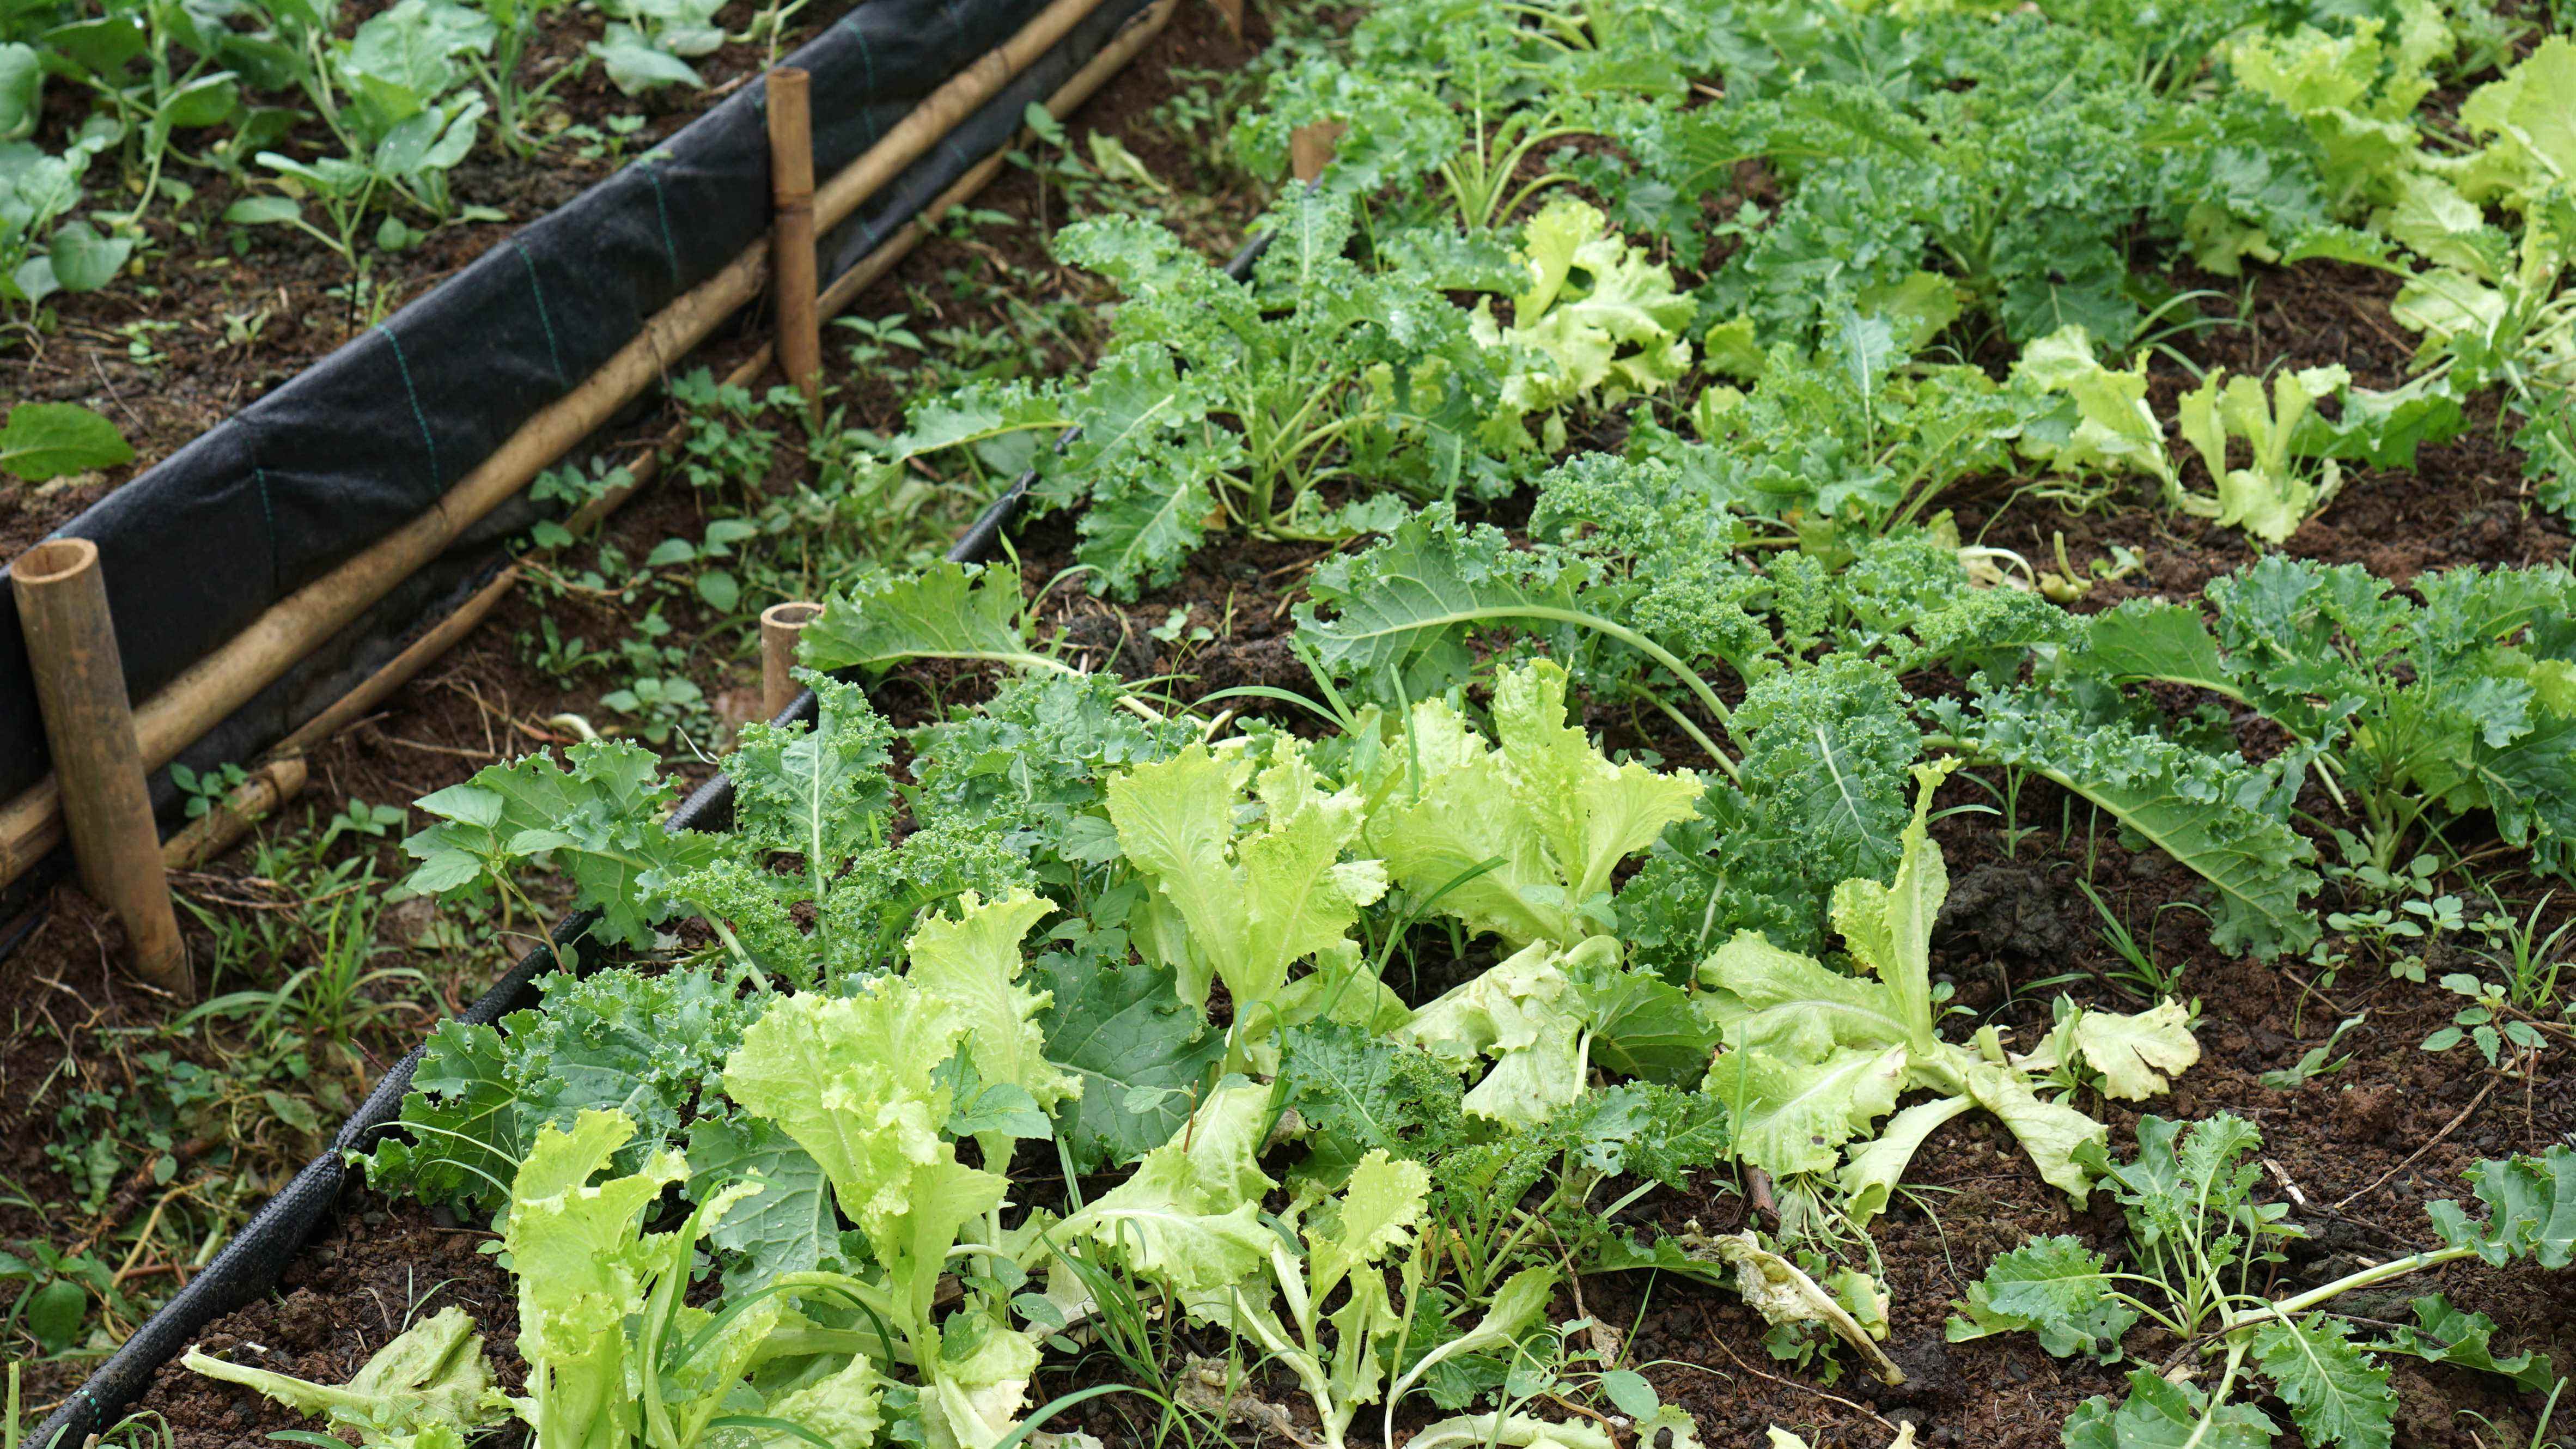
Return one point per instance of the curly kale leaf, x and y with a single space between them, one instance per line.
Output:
599 822
886 892
1673 539
2053 1287
818 790
649 1046
1031 769
2434 709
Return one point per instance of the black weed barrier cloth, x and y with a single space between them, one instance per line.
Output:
366 439
249 1265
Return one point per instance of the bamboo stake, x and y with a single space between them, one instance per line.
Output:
1079 87
779 626
80 689
793 290
229 677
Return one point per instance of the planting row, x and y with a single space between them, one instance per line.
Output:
1301 1051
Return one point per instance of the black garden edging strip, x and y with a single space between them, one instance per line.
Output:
363 441
250 1263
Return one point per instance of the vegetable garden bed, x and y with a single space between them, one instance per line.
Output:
1651 824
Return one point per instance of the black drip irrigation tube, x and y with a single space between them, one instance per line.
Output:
371 437
251 1262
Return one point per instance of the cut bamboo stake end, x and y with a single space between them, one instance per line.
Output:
779 626
792 273
89 722
1310 148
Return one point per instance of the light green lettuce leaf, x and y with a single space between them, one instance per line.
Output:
1190 1214
973 964
433 1375
1519 1012
1545 801
1606 320
583 1268
1255 900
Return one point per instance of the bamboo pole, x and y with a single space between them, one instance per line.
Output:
793 290
80 689
1079 87
779 626
233 674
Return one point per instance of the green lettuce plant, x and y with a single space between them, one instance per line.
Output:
427 1388
1244 904
1519 837
1814 1058
1605 321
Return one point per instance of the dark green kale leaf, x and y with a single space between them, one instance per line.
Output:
649 1046
1118 1024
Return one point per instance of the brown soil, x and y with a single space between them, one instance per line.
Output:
370 1273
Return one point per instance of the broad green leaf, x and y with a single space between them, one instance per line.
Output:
2157 639
1404 615
2161 1414
84 261
2112 426
466 1134
22 90
946 611
2444 1334
48 440
976 1393
599 822
790 1226
1869 1179
2531 1210
844 1409
2212 814
583 1266
1381 1204
1140 1056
